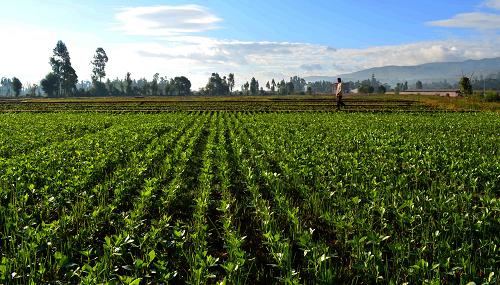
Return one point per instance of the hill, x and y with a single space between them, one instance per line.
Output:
430 72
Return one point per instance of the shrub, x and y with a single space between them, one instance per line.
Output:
492 96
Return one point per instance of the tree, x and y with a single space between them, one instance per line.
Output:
268 85
50 84
465 86
230 82
16 86
217 85
309 90
290 88
366 87
61 67
282 90
7 85
405 88
397 89
154 84
419 85
33 90
273 86
321 87
179 86
245 87
99 65
299 84
254 86
381 89
99 89
128 84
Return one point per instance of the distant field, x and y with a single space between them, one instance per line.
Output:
355 103
249 198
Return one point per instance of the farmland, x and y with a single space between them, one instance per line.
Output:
248 197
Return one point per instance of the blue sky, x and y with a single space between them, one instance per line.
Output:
250 38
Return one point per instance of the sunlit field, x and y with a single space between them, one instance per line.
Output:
248 198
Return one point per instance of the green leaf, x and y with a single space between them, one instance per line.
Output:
151 255
136 281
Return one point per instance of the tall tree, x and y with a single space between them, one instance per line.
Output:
273 86
16 86
254 86
154 84
268 85
33 90
465 86
373 81
61 67
128 84
230 82
99 65
290 88
245 87
282 88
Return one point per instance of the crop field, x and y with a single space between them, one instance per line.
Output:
249 198
251 104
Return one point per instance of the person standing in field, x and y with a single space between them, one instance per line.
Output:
339 93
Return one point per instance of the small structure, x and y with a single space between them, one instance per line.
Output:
442 93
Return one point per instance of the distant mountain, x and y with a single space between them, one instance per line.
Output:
427 73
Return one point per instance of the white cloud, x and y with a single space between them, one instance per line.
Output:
495 4
265 60
166 20
311 67
475 20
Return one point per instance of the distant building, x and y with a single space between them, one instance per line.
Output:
442 93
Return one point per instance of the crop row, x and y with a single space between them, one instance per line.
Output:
237 198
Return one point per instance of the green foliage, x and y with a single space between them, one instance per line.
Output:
231 82
246 198
492 96
180 86
217 85
99 89
128 84
465 86
50 84
62 69
17 86
99 65
366 88
254 86
419 85
381 89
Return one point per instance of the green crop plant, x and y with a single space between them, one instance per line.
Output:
206 197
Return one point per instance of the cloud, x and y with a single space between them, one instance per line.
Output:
495 4
311 67
165 20
282 59
475 20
